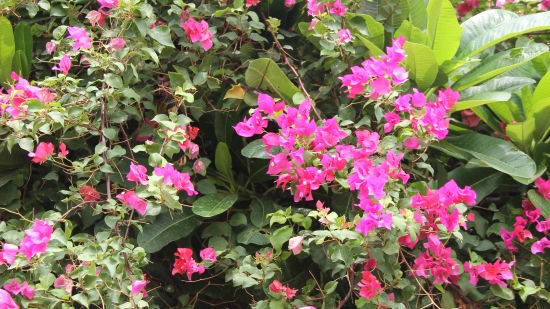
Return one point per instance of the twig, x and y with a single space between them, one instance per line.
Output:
292 68
104 143
418 281
350 276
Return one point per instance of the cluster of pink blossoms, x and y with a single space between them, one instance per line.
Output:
334 7
6 302
35 241
495 272
13 102
531 215
369 284
277 287
439 263
186 264
197 32
44 150
15 288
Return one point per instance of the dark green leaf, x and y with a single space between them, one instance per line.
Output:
213 204
167 228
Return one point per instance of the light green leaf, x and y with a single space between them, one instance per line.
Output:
421 64
7 49
265 74
540 202
167 228
496 153
481 99
477 25
498 64
280 236
374 50
542 91
223 160
367 26
521 133
213 204
499 29
418 14
411 33
162 35
443 29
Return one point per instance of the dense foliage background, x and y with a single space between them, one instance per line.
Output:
274 154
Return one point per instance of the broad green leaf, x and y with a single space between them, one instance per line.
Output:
477 25
280 236
506 28
443 29
496 153
260 209
498 64
540 202
542 120
223 160
265 74
497 84
481 99
167 227
162 35
374 50
542 91
411 33
252 235
521 133
255 149
235 92
7 49
418 14
488 117
213 204
421 64
367 26
502 292
20 65
23 41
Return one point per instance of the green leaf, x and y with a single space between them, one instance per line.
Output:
497 84
260 209
411 33
374 50
443 29
162 35
255 149
498 27
280 236
167 228
7 49
521 133
496 153
481 99
213 204
498 64
542 91
477 25
113 80
81 299
502 292
223 160
23 42
265 74
421 64
482 180
367 26
418 14
540 202
252 235
20 64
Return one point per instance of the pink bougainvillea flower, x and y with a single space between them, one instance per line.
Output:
198 32
466 7
494 273
254 125
250 3
469 118
543 187
369 284
344 35
8 253
199 167
36 239
208 254
277 287
540 245
290 3
63 152
545 4
82 40
96 17
137 173
6 302
391 120
42 152
13 287
411 143
295 244
27 291
64 283
338 8
138 286
64 65
117 43
89 194
181 181
185 264
50 47
313 22
109 4
130 198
